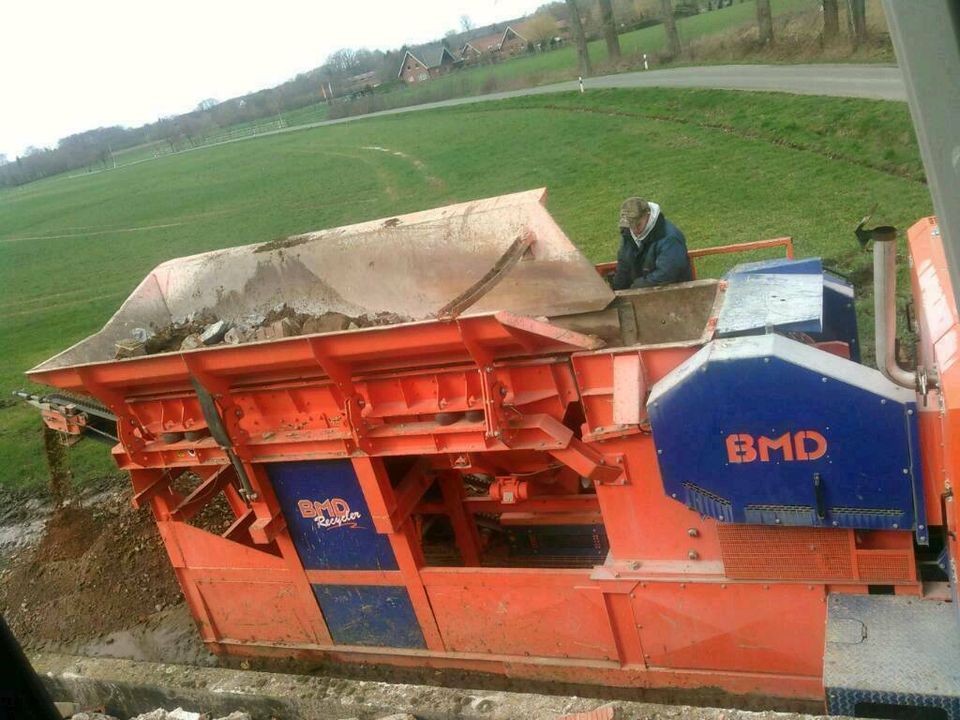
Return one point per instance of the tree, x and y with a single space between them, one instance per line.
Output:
207 104
609 30
670 26
583 53
831 19
541 28
765 22
858 20
343 61
3 159
466 24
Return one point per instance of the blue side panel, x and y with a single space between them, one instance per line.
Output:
767 430
369 615
789 302
839 314
328 517
839 321
779 266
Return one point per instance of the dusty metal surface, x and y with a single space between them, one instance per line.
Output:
676 313
783 301
410 265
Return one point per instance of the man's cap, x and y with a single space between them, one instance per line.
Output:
633 209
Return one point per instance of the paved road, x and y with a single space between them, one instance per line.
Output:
877 82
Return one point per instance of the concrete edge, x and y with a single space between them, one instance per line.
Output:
125 687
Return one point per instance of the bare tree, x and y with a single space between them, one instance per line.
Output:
765 22
343 61
670 26
541 28
858 20
831 19
466 24
583 53
609 30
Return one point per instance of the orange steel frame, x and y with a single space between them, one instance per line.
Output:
663 610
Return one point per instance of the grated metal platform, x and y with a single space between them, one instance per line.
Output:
892 656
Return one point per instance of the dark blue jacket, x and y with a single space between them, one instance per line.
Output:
660 259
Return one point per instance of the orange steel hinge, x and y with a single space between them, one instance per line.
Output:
600 469
346 394
493 391
131 433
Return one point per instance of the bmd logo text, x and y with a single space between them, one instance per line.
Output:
789 447
330 513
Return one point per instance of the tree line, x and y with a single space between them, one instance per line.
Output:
669 10
95 149
349 72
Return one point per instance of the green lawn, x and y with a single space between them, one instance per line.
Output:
726 167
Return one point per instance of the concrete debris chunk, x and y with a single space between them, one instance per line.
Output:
158 714
237 335
328 322
398 716
181 714
285 327
214 332
91 716
236 715
129 348
141 334
191 342
176 714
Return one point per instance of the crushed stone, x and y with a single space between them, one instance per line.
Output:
206 330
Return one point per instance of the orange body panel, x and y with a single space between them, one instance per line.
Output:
678 602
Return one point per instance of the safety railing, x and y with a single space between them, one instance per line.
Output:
606 268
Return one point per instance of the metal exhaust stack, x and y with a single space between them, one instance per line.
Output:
885 306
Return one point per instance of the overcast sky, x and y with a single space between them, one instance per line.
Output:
71 66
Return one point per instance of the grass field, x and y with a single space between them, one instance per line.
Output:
726 167
524 71
557 65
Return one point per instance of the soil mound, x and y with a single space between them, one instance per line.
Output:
97 570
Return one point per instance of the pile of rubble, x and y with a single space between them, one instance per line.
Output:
161 714
181 714
206 330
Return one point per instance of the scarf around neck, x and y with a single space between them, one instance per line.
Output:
654 216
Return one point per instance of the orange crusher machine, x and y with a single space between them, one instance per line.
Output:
695 486
522 472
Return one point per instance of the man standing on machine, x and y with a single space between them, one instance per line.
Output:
653 251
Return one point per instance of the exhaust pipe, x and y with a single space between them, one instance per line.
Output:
885 306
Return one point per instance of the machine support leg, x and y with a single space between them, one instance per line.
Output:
464 526
378 493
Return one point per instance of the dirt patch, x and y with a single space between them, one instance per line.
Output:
284 242
97 570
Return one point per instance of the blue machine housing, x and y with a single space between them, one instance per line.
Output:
838 313
764 429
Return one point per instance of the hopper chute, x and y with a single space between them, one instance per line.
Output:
405 268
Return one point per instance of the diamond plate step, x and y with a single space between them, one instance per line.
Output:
884 651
